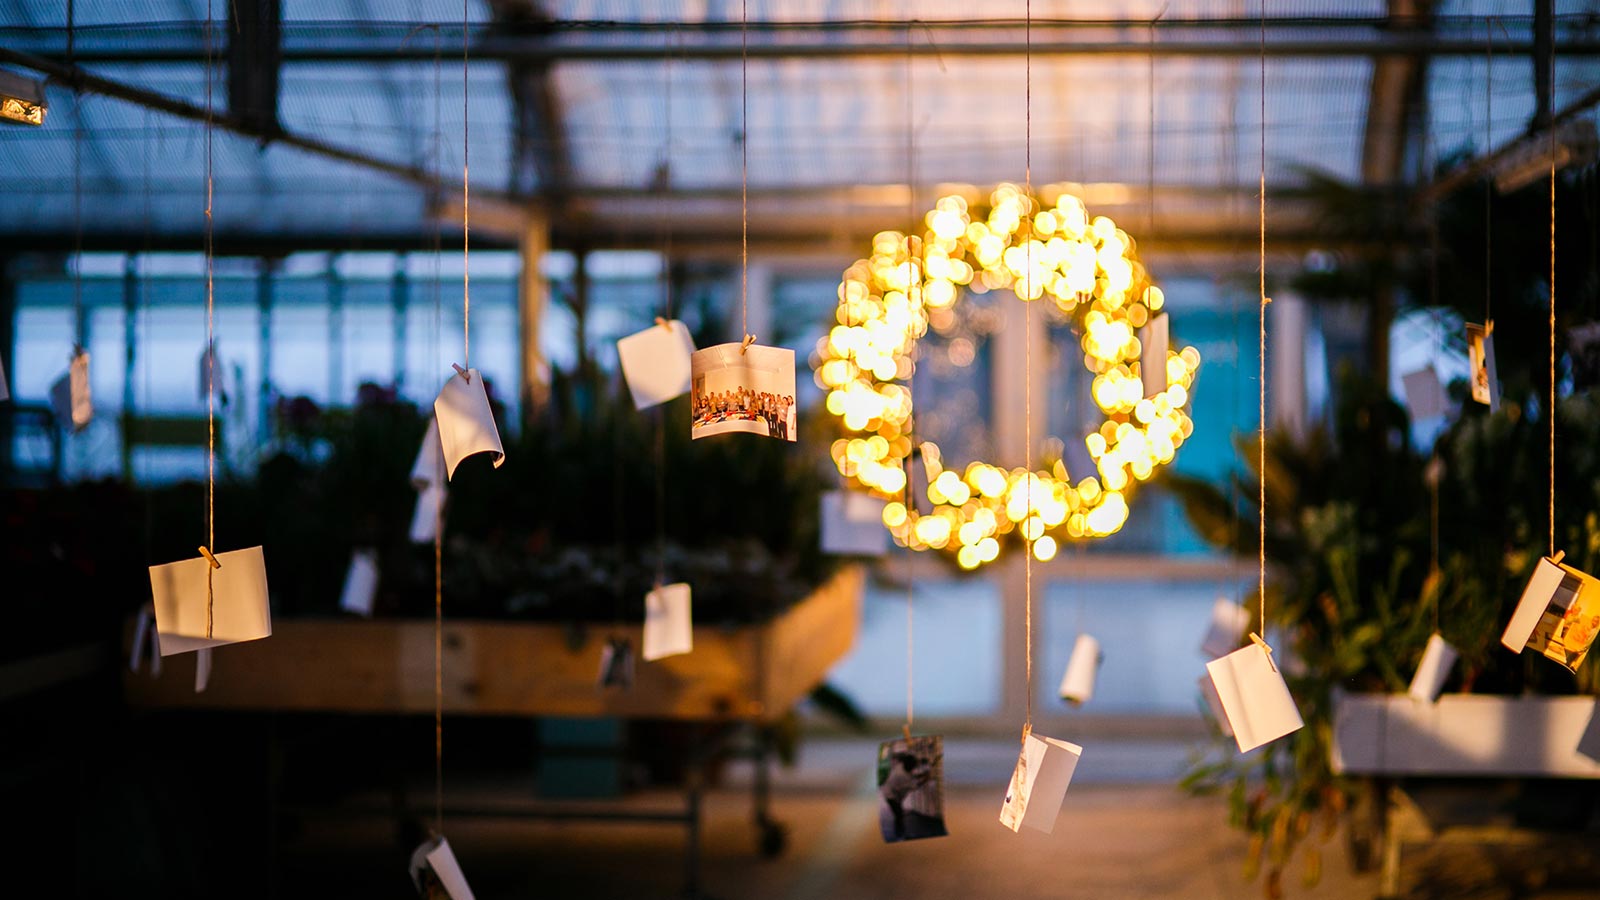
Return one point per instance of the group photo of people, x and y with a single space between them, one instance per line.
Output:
743 389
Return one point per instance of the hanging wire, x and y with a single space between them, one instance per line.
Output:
1027 359
1261 408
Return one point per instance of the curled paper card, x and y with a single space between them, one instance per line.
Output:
1485 380
1154 339
747 389
360 583
1077 685
1254 697
1558 615
1039 783
668 624
1229 621
1424 394
911 788
1208 690
436 874
1433 670
616 663
852 524
238 592
425 518
69 396
427 470
202 669
655 363
466 421
144 636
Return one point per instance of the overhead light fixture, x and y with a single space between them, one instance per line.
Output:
1531 158
21 99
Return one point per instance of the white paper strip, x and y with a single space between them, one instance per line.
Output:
360 583
1254 697
240 608
749 390
425 518
144 636
1039 783
434 864
655 363
1482 374
202 669
1208 690
1077 685
466 421
852 524
427 470
1229 622
668 622
1433 670
1154 340
1424 394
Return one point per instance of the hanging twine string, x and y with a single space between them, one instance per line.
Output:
211 365
665 225
1552 414
1027 363
1261 407
744 172
466 187
914 299
1488 183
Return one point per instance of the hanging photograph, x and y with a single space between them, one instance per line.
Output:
466 421
233 596
69 396
656 363
1077 685
1255 698
1558 615
668 622
749 390
1039 783
911 788
1424 394
436 874
1485 380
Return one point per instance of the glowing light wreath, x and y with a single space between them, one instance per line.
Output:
1089 270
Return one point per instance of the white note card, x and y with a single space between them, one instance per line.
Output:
1077 685
5 388
425 518
656 363
1254 697
852 524
1229 620
360 583
434 868
1424 394
69 396
1154 340
427 470
1433 670
668 623
238 591
466 421
1208 691
1039 783
202 669
1481 371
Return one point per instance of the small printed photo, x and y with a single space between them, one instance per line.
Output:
911 788
1568 626
1485 382
749 390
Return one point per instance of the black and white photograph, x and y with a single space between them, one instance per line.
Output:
911 788
749 390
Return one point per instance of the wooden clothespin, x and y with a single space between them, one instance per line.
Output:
748 340
663 323
1256 639
1265 300
206 552
462 372
1560 555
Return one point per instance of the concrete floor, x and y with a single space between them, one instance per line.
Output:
1124 832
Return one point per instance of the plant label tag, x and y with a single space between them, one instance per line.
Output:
436 874
238 601
69 396
911 788
655 363
1077 685
1229 621
1433 670
1485 379
744 389
360 583
668 623
1208 691
1154 340
1254 697
1039 783
466 421
852 524
1558 615
1424 394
